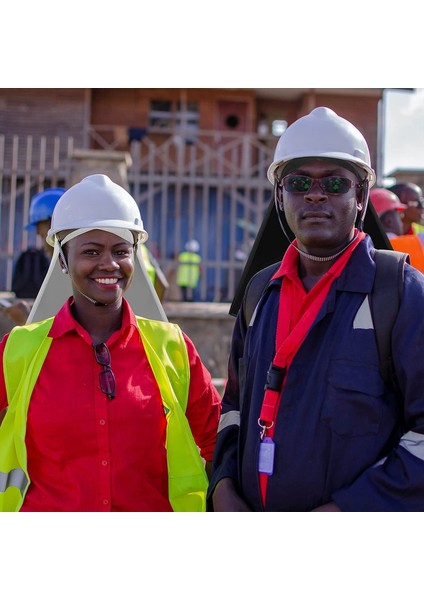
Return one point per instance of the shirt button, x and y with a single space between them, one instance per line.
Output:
102 421
104 463
105 502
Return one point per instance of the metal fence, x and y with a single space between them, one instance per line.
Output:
210 186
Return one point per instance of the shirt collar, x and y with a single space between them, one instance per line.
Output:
358 278
64 322
289 265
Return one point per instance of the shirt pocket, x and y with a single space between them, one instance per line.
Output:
354 401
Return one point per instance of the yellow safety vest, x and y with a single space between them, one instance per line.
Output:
417 228
23 358
151 271
188 271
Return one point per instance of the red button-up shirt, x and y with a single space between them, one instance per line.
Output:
89 453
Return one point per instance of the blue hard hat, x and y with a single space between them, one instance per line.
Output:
42 205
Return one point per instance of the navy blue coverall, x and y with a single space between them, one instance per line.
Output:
341 434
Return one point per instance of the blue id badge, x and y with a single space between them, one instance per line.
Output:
266 456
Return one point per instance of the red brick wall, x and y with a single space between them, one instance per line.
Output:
44 112
68 112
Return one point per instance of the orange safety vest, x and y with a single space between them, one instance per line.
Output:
413 246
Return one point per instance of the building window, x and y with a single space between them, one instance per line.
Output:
168 114
161 114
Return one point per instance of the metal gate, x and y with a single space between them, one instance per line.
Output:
210 186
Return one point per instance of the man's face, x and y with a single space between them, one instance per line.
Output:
412 198
392 222
323 222
42 228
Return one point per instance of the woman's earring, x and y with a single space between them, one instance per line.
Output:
64 270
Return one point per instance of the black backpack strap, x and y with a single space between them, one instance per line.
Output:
385 301
255 288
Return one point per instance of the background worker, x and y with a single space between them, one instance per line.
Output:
155 273
411 239
32 264
119 406
389 210
411 195
189 270
308 421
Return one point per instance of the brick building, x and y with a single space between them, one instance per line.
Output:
197 160
408 175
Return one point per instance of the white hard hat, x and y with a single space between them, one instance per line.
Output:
96 202
322 134
192 246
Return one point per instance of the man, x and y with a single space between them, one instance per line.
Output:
411 238
308 422
411 196
389 210
189 270
32 264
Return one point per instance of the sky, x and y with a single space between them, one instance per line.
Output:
403 144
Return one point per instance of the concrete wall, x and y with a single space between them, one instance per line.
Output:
210 327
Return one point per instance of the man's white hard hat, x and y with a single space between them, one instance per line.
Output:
322 134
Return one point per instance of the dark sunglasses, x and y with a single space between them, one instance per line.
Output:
106 377
301 184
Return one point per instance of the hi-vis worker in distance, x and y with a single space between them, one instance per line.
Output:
189 270
106 410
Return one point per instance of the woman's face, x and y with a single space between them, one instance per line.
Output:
101 265
322 222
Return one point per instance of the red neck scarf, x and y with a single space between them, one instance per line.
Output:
296 313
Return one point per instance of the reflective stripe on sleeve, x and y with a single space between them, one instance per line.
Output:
14 478
230 418
414 443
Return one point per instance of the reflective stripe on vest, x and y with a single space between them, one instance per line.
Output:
15 478
167 355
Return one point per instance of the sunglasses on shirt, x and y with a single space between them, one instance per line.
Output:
106 377
333 184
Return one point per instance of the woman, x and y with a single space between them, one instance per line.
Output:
96 396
